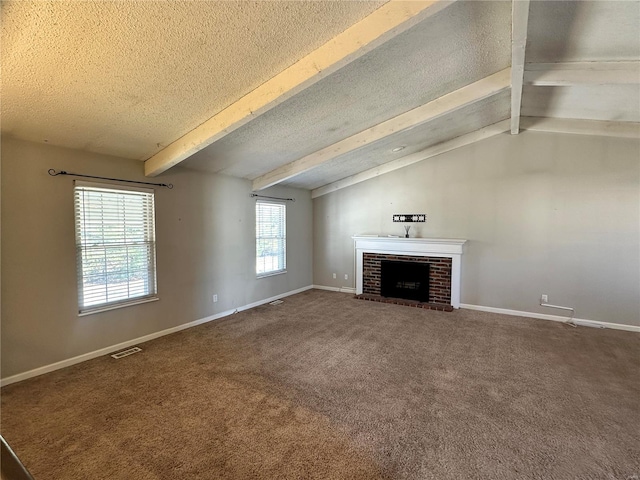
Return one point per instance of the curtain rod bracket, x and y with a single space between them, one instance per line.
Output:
53 173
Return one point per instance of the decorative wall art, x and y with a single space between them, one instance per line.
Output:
409 217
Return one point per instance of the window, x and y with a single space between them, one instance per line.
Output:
271 238
115 246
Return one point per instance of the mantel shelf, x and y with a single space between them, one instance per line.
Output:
433 247
379 238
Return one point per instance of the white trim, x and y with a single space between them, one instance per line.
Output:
554 318
115 306
114 348
335 289
271 299
425 247
270 274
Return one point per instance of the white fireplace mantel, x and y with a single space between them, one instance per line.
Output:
426 247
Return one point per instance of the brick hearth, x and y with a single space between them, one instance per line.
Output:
407 303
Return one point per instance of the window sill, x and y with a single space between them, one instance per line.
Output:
270 274
116 306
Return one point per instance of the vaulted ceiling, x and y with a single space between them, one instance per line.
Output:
317 95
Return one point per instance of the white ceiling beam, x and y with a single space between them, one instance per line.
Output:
534 124
444 105
568 74
519 23
469 138
582 127
388 21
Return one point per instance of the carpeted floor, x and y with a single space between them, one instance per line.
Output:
326 386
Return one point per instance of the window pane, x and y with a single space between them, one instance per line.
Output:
115 237
270 238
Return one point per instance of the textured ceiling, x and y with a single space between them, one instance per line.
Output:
583 31
455 124
467 41
603 102
126 78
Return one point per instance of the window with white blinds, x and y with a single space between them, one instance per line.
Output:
271 238
115 245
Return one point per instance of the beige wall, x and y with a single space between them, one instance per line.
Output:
205 244
543 213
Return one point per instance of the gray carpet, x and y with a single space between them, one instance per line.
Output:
326 386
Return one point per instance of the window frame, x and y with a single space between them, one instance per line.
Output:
150 239
283 255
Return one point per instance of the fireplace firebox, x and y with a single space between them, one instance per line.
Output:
407 280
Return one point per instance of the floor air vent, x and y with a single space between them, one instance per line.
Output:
127 352
276 302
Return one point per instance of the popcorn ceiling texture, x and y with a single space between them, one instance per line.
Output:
583 31
454 124
605 102
467 41
127 78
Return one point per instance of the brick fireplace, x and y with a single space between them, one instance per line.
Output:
442 255
439 274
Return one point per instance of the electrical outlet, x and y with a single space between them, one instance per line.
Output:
215 297
334 275
346 277
545 298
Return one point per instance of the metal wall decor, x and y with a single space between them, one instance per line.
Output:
409 217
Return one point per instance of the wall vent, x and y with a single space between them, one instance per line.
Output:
127 352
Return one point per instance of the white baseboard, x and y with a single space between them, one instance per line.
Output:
336 289
271 299
120 346
555 318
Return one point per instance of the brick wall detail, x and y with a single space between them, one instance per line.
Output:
439 274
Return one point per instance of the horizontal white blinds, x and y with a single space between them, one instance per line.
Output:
271 238
115 245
